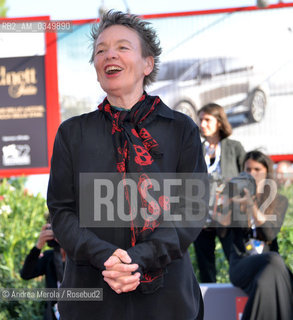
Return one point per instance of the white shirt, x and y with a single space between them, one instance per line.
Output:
215 167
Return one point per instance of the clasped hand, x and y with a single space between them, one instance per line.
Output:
119 273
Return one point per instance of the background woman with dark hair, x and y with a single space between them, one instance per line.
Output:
255 265
224 159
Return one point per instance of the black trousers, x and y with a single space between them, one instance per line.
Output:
205 246
268 284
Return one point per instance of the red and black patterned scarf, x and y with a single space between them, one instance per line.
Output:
136 150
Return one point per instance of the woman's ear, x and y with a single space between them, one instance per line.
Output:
149 66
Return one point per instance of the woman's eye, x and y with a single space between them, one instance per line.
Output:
123 48
99 51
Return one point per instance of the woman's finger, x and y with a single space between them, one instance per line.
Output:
121 267
111 261
115 274
122 255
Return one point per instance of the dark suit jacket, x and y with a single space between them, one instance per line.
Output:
231 162
232 156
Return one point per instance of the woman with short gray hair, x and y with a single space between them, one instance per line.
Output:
143 269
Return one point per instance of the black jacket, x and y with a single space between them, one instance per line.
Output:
232 156
84 144
35 266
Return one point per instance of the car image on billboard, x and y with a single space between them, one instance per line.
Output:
188 84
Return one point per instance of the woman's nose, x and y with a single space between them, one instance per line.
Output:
253 173
111 54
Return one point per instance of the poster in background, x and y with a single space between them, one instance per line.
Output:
23 120
29 103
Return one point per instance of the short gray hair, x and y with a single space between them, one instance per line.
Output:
150 44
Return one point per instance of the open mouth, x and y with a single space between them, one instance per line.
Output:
113 69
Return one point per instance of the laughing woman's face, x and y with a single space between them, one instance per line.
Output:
119 63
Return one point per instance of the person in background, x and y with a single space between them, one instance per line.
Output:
284 174
144 269
224 159
255 265
50 263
